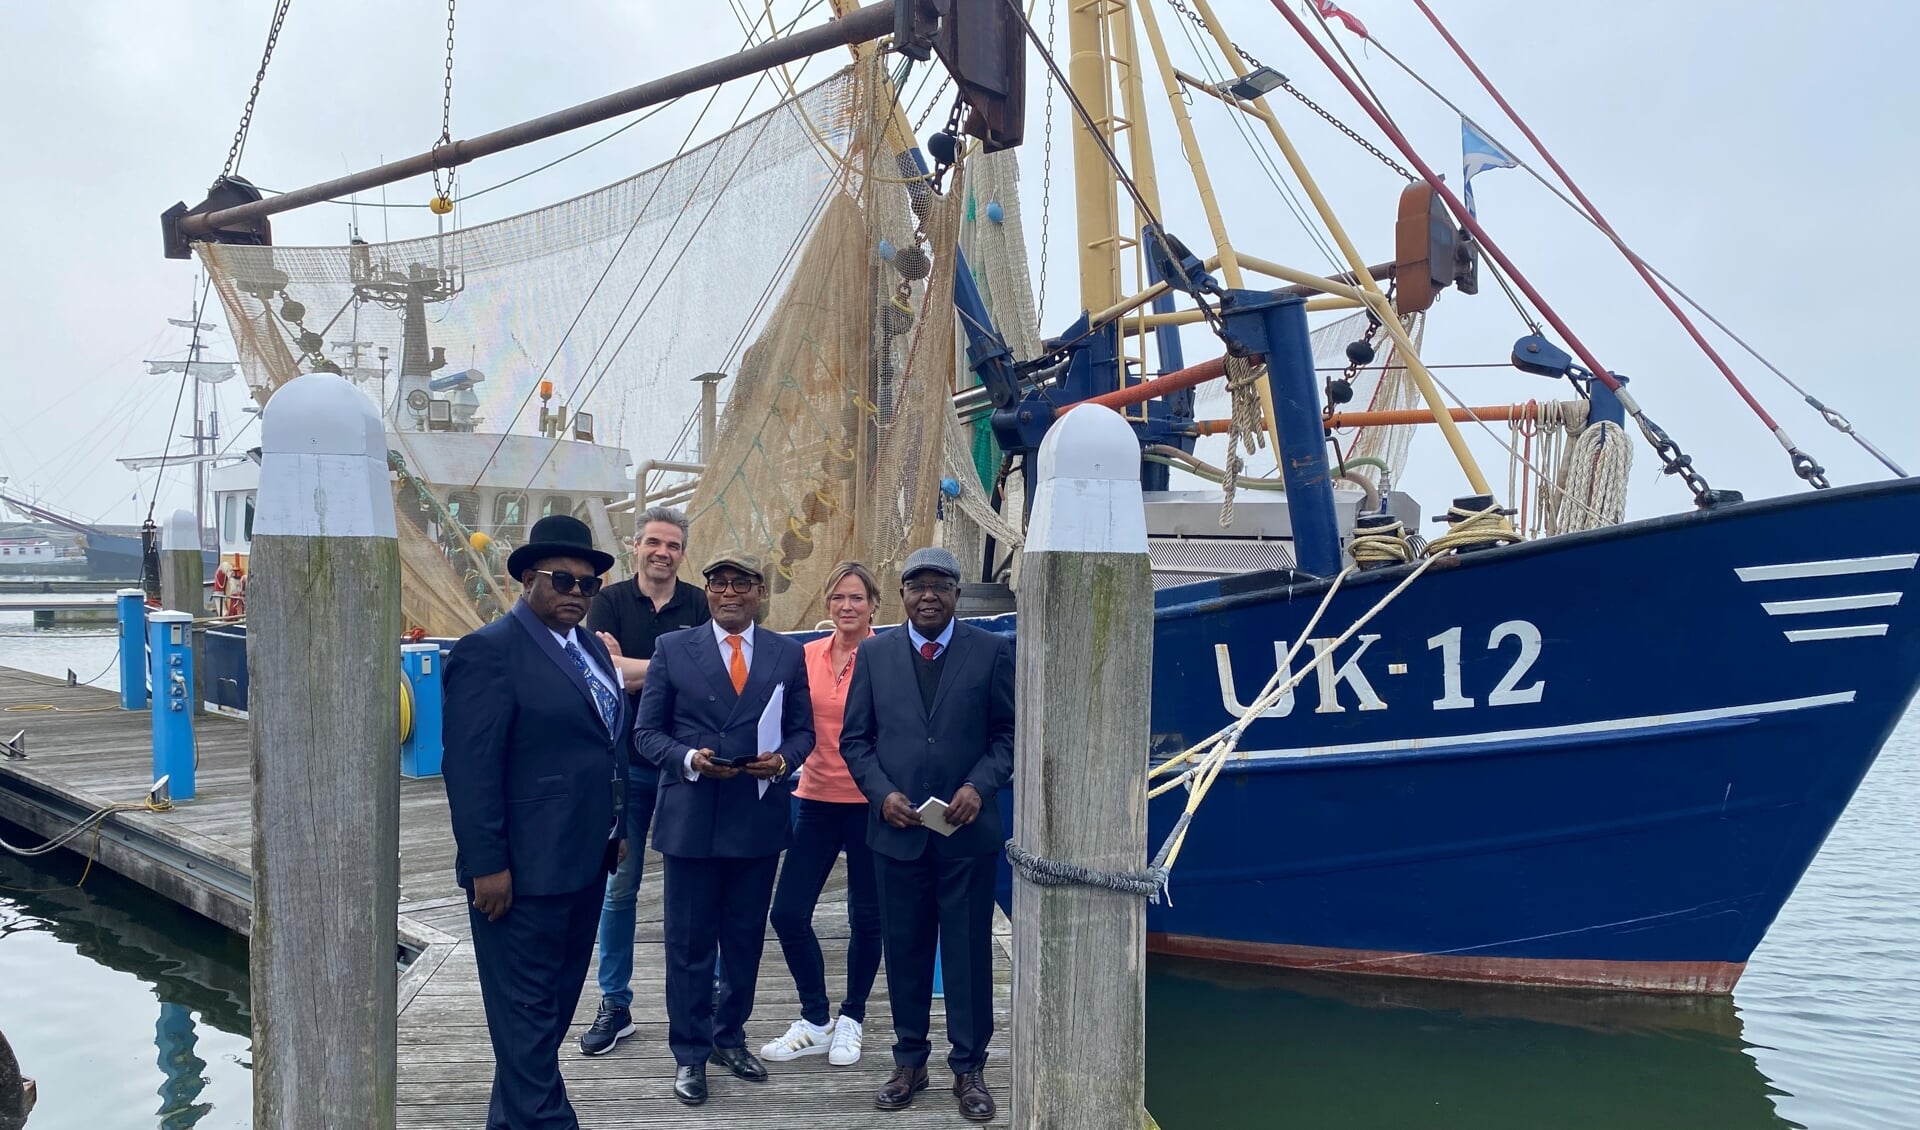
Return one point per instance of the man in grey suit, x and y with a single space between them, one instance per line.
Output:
930 714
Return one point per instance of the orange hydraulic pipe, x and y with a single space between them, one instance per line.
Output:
1160 386
1386 418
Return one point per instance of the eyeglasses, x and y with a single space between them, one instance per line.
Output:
564 583
918 587
742 585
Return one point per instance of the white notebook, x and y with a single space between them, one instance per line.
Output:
770 735
933 816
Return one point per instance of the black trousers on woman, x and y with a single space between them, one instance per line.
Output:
821 831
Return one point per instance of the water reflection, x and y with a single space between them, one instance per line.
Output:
90 968
1232 1049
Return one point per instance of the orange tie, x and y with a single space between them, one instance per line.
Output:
737 666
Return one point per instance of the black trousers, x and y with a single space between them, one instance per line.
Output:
713 903
945 903
820 833
533 962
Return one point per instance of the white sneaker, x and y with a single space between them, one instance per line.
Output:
846 1042
802 1039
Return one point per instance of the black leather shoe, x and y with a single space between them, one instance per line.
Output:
898 1091
976 1102
612 1025
741 1062
690 1085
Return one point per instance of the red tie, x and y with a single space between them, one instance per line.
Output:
929 649
737 667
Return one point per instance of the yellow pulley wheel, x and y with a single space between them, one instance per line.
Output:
406 709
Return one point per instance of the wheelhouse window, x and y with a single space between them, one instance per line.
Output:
510 517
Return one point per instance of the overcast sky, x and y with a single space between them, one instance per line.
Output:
1760 153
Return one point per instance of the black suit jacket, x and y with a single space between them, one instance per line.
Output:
892 743
534 778
689 703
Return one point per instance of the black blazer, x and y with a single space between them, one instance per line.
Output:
534 778
891 743
689 703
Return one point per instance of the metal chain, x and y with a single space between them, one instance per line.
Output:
1046 184
446 105
1180 7
932 104
253 96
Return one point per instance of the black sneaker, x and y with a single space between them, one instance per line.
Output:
613 1024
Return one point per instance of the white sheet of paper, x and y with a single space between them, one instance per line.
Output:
770 736
933 816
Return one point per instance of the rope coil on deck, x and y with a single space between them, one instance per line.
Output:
1041 872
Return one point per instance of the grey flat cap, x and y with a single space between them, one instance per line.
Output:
932 558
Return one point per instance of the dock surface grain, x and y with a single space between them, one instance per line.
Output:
85 752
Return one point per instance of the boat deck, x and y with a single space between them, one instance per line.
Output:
84 752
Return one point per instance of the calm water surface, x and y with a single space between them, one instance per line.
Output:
132 1013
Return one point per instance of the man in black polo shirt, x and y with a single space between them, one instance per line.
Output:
629 617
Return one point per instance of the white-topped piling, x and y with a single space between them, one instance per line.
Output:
323 663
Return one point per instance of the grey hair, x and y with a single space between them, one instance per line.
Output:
660 514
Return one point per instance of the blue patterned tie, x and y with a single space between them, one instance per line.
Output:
602 696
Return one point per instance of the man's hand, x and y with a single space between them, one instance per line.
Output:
765 767
612 645
899 812
706 766
622 856
964 806
493 894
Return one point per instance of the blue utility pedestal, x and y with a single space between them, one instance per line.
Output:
939 982
131 604
170 643
420 747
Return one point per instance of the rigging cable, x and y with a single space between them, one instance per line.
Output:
1804 465
186 374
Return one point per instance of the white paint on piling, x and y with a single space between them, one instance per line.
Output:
323 463
180 532
1088 496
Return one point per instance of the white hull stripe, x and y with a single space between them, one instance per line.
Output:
1830 603
1805 635
1508 737
1843 566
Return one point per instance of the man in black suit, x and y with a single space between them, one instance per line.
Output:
536 766
723 815
930 714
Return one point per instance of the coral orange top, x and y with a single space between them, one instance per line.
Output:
825 776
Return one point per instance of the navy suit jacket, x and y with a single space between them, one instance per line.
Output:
534 778
893 744
689 703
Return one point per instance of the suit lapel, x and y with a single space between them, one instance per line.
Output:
706 657
760 678
543 639
956 649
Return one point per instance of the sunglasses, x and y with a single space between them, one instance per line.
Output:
564 583
741 585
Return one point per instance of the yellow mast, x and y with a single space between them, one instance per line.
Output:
1096 212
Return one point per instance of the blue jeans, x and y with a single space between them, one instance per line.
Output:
820 832
623 889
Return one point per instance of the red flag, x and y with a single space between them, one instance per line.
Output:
1331 11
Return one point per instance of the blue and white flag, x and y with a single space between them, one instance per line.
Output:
1478 152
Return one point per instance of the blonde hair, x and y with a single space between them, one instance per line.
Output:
854 569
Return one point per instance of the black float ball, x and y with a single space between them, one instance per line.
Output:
1360 352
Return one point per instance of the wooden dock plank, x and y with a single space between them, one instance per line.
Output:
88 750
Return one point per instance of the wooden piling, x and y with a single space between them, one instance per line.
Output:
1084 666
323 658
182 577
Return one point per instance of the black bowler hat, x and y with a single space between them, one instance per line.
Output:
558 535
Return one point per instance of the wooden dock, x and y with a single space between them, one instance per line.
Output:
85 752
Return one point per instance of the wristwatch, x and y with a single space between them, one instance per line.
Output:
782 774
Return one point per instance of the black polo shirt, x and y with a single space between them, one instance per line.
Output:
624 612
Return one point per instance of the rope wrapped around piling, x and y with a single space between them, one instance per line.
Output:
1148 884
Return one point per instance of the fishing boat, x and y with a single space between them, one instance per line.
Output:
1542 746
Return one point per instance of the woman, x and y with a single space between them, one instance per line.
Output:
832 819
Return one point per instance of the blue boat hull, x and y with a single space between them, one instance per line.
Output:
1603 759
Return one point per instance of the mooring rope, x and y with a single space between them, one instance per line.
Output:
1148 884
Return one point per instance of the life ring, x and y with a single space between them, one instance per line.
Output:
237 595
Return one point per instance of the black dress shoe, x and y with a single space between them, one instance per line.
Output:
690 1085
898 1091
976 1102
741 1062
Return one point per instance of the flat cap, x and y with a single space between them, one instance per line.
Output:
932 558
744 562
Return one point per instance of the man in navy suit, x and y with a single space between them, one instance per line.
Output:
536 767
723 813
930 714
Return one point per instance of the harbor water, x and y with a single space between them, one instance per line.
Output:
132 1013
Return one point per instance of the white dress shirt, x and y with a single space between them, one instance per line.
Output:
720 635
940 641
615 682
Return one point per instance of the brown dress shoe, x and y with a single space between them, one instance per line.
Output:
976 1102
898 1091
